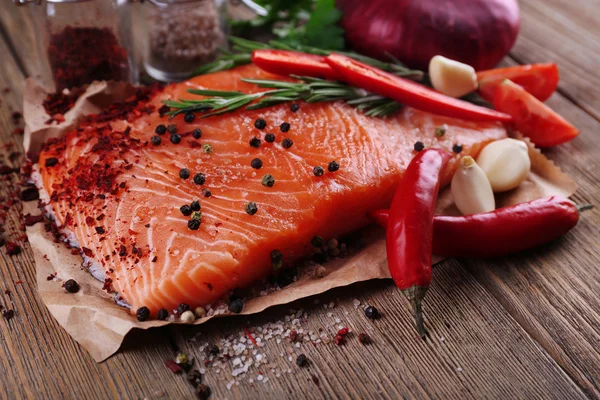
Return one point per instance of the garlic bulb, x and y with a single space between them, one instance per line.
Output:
506 163
452 78
471 189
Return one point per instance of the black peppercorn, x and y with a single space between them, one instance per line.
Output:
212 350
294 107
256 163
284 127
236 306
206 192
268 180
318 170
189 117
196 133
156 140
194 224
260 123
175 138
333 166
71 286
186 210
51 162
162 314
182 308
143 313
195 378
195 205
419 146
371 312
184 173
172 128
251 208
160 129
302 360
255 142
203 392
100 230
457 148
317 241
269 138
287 143
199 178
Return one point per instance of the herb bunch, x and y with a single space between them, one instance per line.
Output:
310 90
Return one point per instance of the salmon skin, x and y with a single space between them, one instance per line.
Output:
120 194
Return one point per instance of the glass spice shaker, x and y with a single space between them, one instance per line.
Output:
181 36
80 41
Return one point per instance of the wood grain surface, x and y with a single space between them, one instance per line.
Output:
526 326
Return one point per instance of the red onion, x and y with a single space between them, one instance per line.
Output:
477 32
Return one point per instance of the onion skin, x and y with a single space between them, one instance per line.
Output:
476 32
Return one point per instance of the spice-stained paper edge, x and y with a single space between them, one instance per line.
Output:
98 324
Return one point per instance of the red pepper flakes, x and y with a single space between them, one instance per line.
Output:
315 379
31 220
60 102
340 337
16 117
89 221
250 336
51 276
12 248
18 131
6 170
8 314
173 366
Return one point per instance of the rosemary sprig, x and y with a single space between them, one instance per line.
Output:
310 90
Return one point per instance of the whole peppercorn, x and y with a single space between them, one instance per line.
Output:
162 314
317 241
160 129
189 117
156 140
318 171
194 224
199 178
182 308
71 286
294 107
236 306
175 138
194 377
419 146
287 143
333 166
260 123
186 210
206 192
196 133
302 361
457 148
441 130
207 148
172 128
256 163
251 208
284 127
203 392
268 180
184 173
195 205
255 142
371 312
269 138
143 313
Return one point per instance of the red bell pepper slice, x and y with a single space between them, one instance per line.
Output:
540 80
407 92
533 118
283 62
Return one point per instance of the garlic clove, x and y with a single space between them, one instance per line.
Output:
471 189
452 78
506 163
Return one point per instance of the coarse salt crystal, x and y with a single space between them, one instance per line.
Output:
260 378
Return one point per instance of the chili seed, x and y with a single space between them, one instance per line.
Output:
251 208
333 166
195 378
172 128
318 170
189 117
317 241
195 205
207 148
302 360
269 138
419 146
294 107
287 143
457 148
236 306
162 314
182 308
284 127
175 138
199 178
194 224
371 312
184 173
206 192
186 210
255 142
196 133
268 180
203 392
71 286
260 123
143 313
51 162
160 129
441 130
156 140
256 163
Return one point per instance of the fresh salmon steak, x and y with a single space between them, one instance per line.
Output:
120 193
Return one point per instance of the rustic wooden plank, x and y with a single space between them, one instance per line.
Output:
565 32
17 25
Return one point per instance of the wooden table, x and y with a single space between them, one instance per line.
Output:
518 327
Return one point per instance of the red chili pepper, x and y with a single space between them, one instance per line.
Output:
410 227
503 231
408 92
287 63
540 80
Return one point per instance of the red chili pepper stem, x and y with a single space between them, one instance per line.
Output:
584 207
415 295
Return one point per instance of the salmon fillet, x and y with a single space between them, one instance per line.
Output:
120 195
